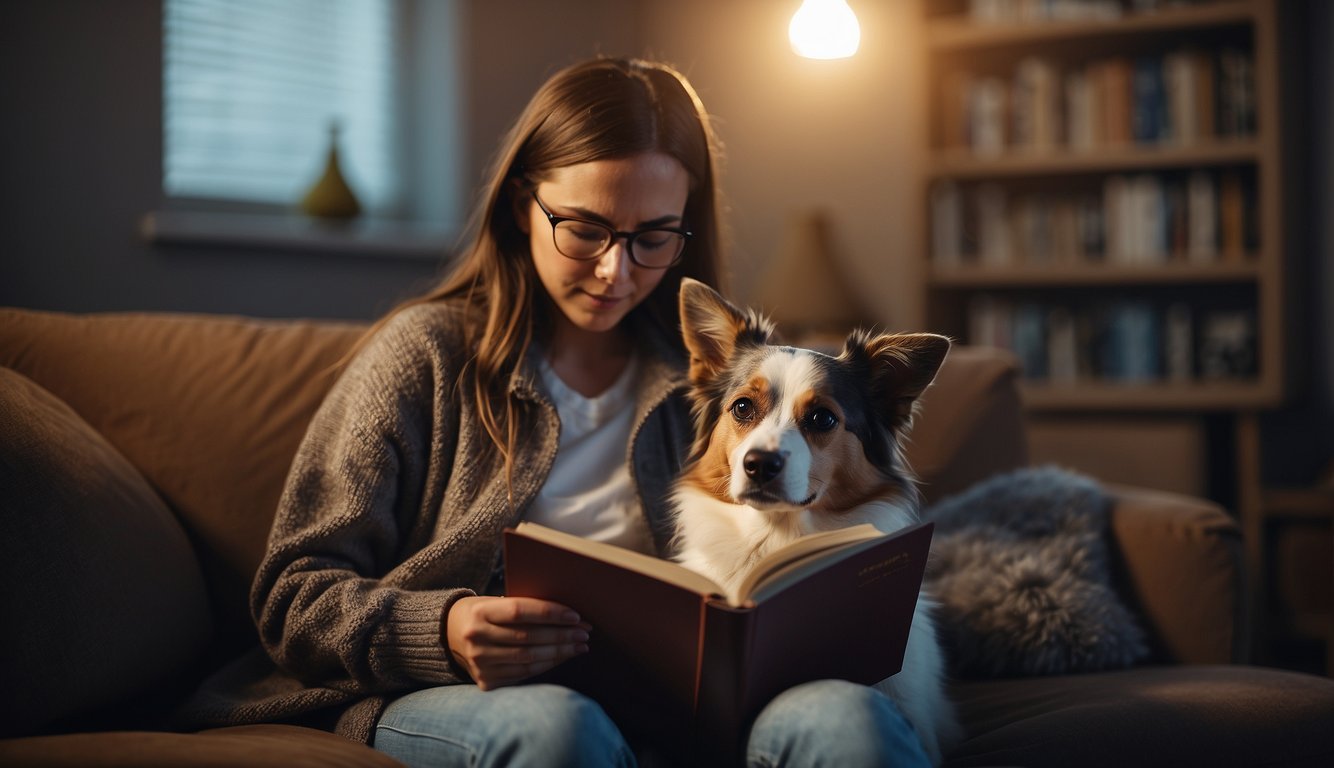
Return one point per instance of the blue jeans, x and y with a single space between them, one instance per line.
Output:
828 722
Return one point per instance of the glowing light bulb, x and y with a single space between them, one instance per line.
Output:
824 29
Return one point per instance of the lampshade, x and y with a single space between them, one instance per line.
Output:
804 289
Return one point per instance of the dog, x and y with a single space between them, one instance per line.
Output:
790 441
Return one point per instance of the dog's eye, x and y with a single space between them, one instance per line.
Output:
821 420
743 409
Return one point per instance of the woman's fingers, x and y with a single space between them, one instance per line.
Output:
527 610
534 634
505 640
498 665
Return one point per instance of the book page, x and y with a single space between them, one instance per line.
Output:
663 570
789 563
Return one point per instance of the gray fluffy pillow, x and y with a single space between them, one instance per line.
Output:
1020 571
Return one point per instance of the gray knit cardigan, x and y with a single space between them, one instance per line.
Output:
394 509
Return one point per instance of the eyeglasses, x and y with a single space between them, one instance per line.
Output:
656 248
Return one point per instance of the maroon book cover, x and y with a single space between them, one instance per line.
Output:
683 668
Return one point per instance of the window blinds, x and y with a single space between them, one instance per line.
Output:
251 88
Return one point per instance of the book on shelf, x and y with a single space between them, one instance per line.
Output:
1116 213
1113 82
1131 349
990 320
1029 339
1092 228
993 225
988 100
1196 217
1231 217
1120 340
946 223
1182 96
1236 93
1150 121
1035 105
1148 221
1031 11
1080 110
1201 218
1227 344
676 659
1178 344
956 103
1063 345
1188 75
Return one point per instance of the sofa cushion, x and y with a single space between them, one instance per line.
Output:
103 597
969 423
209 408
1180 715
257 746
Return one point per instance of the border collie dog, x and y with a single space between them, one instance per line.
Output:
790 441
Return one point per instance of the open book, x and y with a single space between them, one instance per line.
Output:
679 661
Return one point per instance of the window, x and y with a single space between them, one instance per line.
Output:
252 87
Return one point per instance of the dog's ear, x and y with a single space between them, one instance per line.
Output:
902 366
713 329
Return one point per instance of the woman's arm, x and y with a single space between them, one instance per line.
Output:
351 509
341 595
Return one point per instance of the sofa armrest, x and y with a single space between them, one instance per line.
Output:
1178 563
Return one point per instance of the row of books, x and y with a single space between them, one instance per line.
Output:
1128 340
1026 11
1197 217
1184 96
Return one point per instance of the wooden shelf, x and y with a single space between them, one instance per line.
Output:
966 164
1194 396
1305 503
1060 274
962 33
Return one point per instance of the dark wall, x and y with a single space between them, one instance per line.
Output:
1298 439
80 164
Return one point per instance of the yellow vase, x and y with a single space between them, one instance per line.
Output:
331 197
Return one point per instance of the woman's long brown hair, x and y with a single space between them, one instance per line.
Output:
601 109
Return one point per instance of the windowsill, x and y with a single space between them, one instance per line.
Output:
381 238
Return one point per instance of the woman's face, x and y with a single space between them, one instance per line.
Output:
628 194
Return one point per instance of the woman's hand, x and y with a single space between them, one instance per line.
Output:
503 640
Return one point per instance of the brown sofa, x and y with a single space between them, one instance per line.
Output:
141 460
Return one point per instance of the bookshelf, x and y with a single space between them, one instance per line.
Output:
1102 196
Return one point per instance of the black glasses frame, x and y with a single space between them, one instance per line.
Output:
629 237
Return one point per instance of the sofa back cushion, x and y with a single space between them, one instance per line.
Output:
209 409
103 597
969 423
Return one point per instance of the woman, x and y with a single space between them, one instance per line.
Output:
514 391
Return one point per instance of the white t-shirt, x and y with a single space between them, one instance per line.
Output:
589 492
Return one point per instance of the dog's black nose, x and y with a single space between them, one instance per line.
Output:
762 466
